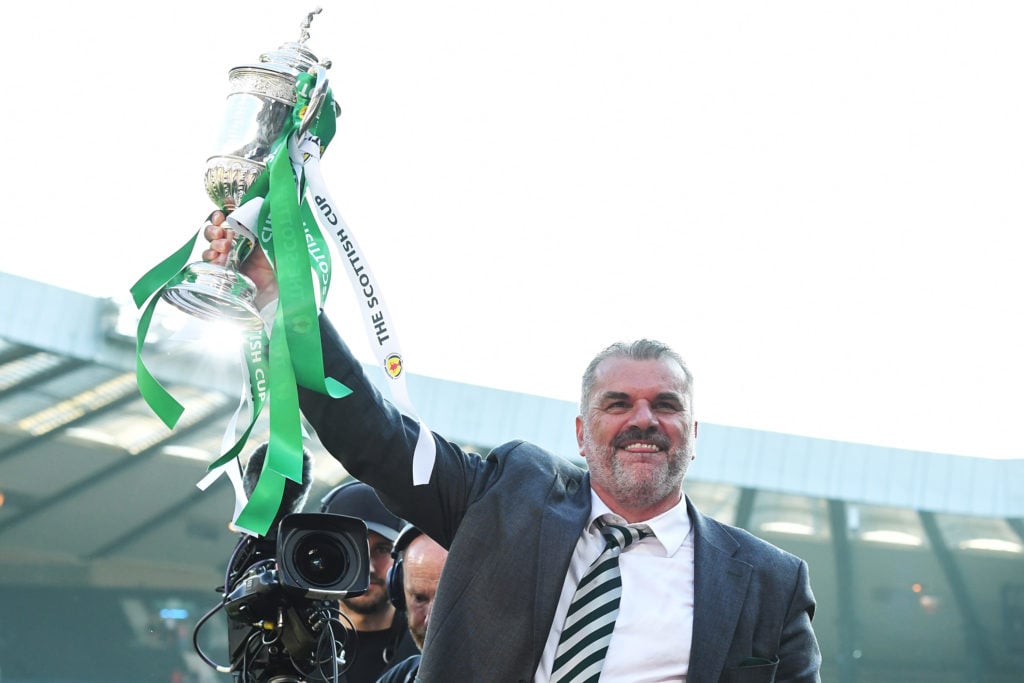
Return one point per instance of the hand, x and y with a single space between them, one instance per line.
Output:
255 266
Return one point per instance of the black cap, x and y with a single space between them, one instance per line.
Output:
357 499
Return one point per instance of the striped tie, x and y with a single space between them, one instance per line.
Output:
592 612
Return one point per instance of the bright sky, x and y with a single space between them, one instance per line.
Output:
818 204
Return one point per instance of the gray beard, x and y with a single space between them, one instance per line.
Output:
628 488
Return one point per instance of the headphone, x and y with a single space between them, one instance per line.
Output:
395 583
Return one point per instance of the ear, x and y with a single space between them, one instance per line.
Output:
693 454
579 434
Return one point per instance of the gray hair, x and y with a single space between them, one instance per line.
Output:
641 349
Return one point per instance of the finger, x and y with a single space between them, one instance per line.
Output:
214 256
216 217
215 233
224 244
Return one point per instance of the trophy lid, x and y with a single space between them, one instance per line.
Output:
290 56
293 57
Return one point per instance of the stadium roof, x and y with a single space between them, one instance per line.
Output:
95 491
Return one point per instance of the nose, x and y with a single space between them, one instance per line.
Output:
643 417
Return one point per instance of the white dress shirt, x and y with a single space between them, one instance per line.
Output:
651 641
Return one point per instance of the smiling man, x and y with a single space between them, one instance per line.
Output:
556 573
636 429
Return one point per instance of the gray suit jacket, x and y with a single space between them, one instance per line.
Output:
511 521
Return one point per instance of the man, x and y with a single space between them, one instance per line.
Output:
700 601
412 584
382 638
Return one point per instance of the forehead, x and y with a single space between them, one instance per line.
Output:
621 374
424 558
423 547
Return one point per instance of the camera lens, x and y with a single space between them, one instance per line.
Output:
323 556
320 559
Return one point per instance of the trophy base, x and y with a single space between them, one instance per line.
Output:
212 292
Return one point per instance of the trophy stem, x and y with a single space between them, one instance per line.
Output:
241 246
212 292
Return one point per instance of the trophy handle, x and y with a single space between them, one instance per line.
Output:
316 100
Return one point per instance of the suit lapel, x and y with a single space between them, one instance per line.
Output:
565 513
719 587
720 581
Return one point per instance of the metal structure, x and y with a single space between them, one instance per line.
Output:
109 552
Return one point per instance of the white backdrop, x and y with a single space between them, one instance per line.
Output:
817 204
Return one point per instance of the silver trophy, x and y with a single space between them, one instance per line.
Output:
259 104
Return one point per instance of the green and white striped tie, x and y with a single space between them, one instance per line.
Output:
592 612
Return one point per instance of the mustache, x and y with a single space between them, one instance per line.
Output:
651 434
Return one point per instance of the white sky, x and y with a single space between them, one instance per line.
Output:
817 203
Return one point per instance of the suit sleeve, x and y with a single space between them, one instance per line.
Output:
375 442
799 656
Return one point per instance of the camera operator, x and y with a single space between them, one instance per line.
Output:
383 638
281 591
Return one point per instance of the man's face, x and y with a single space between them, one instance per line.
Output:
421 567
375 599
637 435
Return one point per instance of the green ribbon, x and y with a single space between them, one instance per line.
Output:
167 273
319 252
290 236
284 448
166 407
296 356
258 365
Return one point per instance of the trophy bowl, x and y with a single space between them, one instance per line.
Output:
260 102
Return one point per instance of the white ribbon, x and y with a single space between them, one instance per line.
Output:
240 221
378 324
245 216
232 468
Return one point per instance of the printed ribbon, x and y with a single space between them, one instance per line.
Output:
295 356
377 321
289 231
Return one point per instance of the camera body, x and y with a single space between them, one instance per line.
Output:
282 594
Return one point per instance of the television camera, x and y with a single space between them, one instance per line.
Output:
280 596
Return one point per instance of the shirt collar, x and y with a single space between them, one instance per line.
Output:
671 528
